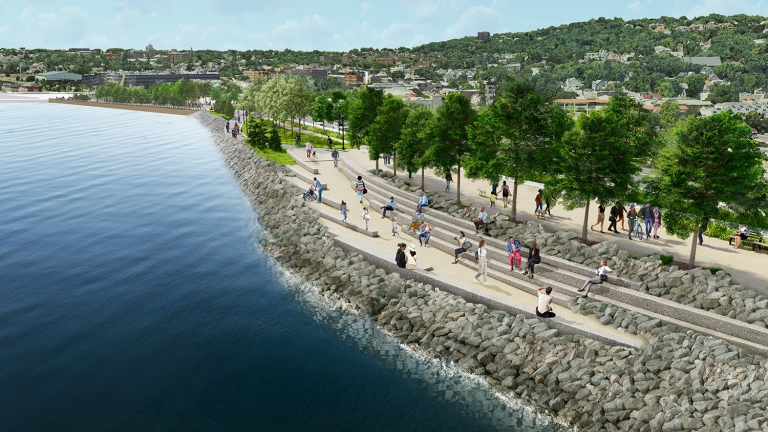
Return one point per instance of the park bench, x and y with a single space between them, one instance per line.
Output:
754 237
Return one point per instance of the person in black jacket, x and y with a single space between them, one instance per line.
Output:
533 259
614 218
400 258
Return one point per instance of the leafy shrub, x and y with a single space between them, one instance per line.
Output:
718 230
714 271
229 109
666 259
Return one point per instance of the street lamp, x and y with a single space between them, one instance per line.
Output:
341 125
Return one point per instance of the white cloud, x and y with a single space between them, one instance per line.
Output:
96 41
67 25
365 7
636 6
478 18
728 7
500 4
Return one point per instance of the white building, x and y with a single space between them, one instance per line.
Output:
58 76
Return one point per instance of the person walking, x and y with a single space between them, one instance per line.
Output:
448 180
426 231
647 214
601 276
464 245
622 211
656 222
366 217
702 230
385 156
330 143
391 207
410 257
544 309
493 199
631 219
360 188
600 217
539 202
482 263
344 211
309 148
400 258
494 186
335 156
482 218
227 127
423 201
513 250
547 198
613 218
533 259
395 231
319 189
505 193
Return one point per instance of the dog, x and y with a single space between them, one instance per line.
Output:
483 193
314 155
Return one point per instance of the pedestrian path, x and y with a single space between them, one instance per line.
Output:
432 256
747 267
564 276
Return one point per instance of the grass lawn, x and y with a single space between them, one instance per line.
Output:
280 157
319 130
221 115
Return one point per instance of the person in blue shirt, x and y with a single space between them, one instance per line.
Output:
319 189
482 218
423 201
391 207
513 249
335 156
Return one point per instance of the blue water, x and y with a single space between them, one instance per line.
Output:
134 297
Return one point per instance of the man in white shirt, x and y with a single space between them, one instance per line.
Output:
544 310
309 149
601 276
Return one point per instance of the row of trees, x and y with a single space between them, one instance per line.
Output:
711 166
180 93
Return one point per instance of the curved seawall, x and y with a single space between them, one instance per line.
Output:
681 380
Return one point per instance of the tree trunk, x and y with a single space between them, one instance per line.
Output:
394 163
586 222
514 202
692 258
422 179
299 130
377 164
458 184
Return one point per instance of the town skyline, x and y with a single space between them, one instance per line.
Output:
347 25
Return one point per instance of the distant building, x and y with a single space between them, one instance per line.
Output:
176 57
483 35
313 73
58 76
146 79
706 61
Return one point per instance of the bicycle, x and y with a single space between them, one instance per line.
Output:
638 231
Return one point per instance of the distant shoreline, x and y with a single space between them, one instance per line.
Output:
176 111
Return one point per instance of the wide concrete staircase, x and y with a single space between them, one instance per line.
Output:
565 277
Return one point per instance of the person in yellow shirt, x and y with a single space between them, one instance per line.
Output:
493 199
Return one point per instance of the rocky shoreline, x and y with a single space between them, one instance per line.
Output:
680 381
695 288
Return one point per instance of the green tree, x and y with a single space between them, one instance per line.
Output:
714 163
386 130
321 109
361 114
256 133
449 130
415 139
516 136
274 142
669 113
592 162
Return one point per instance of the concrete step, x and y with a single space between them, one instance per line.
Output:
385 260
562 295
330 209
307 165
611 291
301 174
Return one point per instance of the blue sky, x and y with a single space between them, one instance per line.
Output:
309 24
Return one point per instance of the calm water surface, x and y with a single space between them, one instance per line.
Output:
134 297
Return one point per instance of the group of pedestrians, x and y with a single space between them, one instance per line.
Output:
650 216
235 130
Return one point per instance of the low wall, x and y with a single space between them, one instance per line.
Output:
682 380
161 110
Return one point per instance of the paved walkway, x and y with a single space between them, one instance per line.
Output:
747 267
340 189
